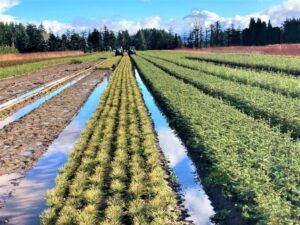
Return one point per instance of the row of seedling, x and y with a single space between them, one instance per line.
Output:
285 85
115 174
280 64
254 101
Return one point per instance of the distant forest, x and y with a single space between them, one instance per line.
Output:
32 38
258 33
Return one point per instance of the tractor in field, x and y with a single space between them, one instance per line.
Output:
119 52
132 50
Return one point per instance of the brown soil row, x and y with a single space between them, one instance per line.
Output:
35 132
13 87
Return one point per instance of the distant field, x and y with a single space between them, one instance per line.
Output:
280 49
16 59
36 65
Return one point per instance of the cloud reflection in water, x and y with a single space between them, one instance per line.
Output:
195 199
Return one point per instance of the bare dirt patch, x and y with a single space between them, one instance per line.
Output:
24 141
15 86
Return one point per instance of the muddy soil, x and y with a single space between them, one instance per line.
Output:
24 141
15 86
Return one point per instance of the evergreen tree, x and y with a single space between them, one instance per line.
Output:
54 43
95 40
64 42
106 37
21 38
141 41
36 39
291 31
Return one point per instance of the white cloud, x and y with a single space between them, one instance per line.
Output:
171 146
56 26
277 14
82 24
198 205
4 6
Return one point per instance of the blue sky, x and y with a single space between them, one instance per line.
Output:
81 15
69 10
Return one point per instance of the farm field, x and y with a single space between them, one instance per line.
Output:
147 112
21 69
227 151
43 125
286 64
242 151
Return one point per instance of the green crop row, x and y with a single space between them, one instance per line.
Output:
280 110
286 85
36 66
257 167
115 173
283 64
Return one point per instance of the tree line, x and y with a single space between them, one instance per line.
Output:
258 33
32 38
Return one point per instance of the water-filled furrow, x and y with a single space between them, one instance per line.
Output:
195 200
29 108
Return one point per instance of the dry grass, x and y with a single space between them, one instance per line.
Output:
15 59
279 49
38 55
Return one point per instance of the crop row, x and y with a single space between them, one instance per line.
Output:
36 66
282 64
115 173
110 63
279 109
256 166
286 85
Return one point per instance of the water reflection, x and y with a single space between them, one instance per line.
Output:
195 199
31 92
29 108
26 204
171 144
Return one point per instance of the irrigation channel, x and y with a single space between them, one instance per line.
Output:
28 200
195 199
29 108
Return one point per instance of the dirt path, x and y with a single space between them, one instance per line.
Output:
15 86
24 141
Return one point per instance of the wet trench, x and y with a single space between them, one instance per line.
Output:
195 200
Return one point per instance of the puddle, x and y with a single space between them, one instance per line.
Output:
29 108
28 199
195 199
7 183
